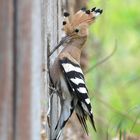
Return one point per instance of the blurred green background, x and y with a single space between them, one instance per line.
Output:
114 86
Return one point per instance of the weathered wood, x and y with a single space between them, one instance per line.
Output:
36 70
27 69
6 69
45 131
23 69
51 24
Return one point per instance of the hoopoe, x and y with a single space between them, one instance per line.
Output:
67 76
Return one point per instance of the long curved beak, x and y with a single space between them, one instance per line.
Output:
63 40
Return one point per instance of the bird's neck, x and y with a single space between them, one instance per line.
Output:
75 52
74 48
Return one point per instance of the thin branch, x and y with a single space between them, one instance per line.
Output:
103 60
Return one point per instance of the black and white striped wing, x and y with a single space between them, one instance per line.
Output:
76 83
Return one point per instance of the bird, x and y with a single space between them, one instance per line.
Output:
66 74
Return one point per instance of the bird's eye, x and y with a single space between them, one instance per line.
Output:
76 30
64 22
66 14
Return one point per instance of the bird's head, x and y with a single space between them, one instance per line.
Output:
76 27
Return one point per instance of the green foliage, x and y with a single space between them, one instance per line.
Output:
115 84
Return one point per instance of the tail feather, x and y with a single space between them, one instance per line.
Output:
82 116
83 123
92 121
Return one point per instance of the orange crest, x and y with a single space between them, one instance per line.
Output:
82 17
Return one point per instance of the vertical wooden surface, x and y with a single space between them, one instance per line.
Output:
51 34
6 69
36 70
45 81
22 66
20 69
27 78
